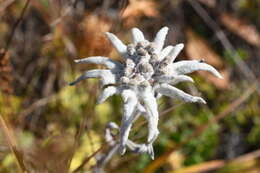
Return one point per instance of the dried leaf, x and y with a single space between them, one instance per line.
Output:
93 41
198 48
137 9
5 74
242 28
209 3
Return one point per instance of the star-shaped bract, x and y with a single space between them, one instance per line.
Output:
148 72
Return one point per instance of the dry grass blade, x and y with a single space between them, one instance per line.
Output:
122 6
239 164
77 139
85 161
12 145
168 110
251 166
245 163
162 159
203 167
36 105
78 135
18 21
241 28
66 12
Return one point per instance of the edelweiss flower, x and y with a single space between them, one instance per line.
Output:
148 72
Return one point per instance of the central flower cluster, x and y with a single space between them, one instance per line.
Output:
148 72
143 64
140 66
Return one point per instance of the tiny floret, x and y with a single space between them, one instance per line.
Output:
149 71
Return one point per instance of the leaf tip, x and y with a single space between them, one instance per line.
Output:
180 46
76 60
220 76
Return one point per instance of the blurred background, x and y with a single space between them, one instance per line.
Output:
47 126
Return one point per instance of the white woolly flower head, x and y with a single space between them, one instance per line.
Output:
148 72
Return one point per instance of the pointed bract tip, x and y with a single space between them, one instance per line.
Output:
112 125
165 28
134 28
76 60
201 100
108 34
220 76
180 46
152 157
190 80
187 79
122 150
150 151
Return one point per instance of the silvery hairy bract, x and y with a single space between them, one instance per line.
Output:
148 72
